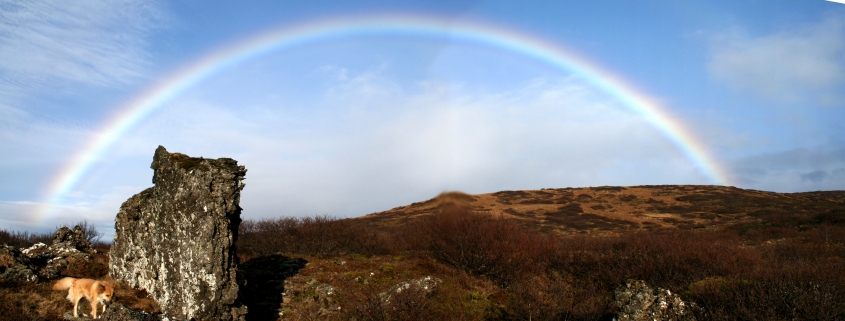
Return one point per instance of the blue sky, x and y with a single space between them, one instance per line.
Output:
363 122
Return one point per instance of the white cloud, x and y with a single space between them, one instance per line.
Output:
91 42
806 64
368 145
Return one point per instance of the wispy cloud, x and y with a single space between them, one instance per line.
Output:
806 64
98 43
799 169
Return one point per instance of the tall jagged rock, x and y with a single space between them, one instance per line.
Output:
176 239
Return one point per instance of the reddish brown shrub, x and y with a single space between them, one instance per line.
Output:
319 236
20 239
804 291
771 272
670 259
409 305
548 296
478 244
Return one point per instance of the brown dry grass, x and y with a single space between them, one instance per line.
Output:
25 301
611 210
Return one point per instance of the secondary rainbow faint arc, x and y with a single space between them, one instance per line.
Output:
474 32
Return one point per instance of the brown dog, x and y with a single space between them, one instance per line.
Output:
93 290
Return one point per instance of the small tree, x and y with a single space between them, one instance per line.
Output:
91 233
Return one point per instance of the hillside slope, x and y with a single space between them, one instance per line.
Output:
609 209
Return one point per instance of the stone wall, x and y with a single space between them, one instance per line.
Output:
176 239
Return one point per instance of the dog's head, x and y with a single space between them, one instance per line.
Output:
105 291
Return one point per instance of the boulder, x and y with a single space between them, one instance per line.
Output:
637 301
176 239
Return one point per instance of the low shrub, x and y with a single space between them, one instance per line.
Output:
409 305
670 260
21 239
478 244
548 296
320 236
810 290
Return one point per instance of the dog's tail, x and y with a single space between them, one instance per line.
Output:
64 284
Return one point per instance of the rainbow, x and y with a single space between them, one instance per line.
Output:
143 105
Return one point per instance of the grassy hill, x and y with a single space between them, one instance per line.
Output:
550 254
558 254
616 210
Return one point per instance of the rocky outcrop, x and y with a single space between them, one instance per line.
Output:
14 266
41 262
637 301
176 239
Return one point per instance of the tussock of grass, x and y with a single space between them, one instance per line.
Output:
25 301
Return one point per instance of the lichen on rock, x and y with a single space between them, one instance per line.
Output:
424 285
176 239
637 301
42 262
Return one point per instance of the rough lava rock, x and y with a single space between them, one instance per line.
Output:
14 266
176 239
41 262
73 239
637 301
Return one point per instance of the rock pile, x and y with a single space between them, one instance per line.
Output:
637 301
41 262
176 239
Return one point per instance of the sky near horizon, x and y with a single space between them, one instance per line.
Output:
346 108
